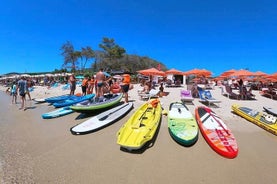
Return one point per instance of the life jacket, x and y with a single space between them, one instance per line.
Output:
85 82
126 79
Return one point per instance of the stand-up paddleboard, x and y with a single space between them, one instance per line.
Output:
216 133
103 119
270 110
54 99
263 120
182 125
57 113
39 100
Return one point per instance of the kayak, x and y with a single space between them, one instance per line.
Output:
182 125
218 136
141 127
106 101
73 100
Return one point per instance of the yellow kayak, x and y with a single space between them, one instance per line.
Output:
263 120
141 127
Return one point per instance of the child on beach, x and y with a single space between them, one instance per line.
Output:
14 92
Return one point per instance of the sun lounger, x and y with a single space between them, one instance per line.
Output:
269 94
231 94
186 96
206 97
153 93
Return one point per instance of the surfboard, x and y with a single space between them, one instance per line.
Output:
182 125
270 110
57 113
218 136
102 119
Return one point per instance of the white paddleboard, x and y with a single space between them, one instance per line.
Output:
102 119
39 100
271 110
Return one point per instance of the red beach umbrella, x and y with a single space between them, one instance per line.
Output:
174 72
242 73
151 71
198 72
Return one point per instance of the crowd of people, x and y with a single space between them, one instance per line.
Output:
21 88
100 84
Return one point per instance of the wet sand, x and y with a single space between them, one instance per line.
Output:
35 150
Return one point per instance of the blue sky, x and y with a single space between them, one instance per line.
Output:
206 34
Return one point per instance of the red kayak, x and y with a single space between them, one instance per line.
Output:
216 133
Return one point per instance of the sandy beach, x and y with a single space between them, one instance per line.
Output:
36 150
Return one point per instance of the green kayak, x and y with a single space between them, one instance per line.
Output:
108 100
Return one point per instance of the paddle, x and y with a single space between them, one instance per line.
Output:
106 116
137 125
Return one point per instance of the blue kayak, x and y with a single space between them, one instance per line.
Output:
57 113
73 100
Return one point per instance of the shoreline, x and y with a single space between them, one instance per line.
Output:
36 150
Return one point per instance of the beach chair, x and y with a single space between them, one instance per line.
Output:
186 96
223 91
206 97
231 94
153 93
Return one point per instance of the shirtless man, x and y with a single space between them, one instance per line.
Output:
100 78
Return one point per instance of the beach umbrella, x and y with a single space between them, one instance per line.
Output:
151 71
259 73
198 72
228 73
173 72
242 73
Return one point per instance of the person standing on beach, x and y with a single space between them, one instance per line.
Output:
22 88
14 92
84 86
72 82
91 83
100 79
125 85
29 85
